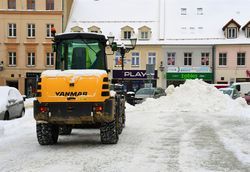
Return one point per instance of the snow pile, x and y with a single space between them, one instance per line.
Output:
194 95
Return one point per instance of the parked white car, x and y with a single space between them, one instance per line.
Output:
242 87
11 103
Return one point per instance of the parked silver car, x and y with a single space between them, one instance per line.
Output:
11 103
150 92
231 92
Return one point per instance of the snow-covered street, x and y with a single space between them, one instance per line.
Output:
185 131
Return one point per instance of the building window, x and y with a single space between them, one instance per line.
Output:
48 29
50 59
12 58
248 32
135 59
222 59
127 34
187 59
49 4
31 59
12 4
204 59
199 11
232 32
118 59
171 59
183 11
12 30
151 58
241 59
144 35
31 5
31 30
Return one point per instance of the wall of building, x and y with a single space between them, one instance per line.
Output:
231 71
21 44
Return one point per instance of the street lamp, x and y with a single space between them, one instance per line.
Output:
123 49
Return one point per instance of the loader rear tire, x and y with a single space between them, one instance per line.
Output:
47 134
109 133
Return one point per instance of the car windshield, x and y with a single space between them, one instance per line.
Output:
145 91
228 92
81 54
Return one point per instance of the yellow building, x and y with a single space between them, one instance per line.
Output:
25 39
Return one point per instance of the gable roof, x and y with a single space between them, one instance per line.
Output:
244 27
231 21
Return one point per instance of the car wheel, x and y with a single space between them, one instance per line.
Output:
6 116
22 114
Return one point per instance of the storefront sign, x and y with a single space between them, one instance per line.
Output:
184 76
201 69
131 74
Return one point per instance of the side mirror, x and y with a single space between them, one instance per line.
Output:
24 97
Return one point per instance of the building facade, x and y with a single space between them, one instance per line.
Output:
25 41
184 39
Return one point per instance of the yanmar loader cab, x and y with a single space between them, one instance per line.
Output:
77 93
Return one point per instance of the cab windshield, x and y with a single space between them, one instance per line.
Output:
80 54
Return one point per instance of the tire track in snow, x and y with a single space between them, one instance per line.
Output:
202 150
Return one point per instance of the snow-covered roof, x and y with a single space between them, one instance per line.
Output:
90 72
164 18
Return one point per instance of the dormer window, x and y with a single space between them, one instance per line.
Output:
94 29
183 11
246 28
248 32
76 29
231 32
144 33
231 29
199 11
126 32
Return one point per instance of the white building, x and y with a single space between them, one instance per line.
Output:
180 36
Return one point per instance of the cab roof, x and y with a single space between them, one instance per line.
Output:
77 35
